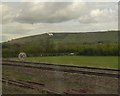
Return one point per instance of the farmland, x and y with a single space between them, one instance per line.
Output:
110 62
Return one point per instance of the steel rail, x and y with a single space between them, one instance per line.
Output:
58 65
64 70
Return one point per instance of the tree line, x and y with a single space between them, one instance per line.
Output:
52 49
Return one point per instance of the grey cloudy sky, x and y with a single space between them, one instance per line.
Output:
23 19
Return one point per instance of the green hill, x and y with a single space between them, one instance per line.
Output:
88 37
60 42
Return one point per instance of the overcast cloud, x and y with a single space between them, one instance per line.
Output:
24 19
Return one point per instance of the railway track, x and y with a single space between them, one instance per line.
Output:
28 85
58 65
65 68
40 86
24 84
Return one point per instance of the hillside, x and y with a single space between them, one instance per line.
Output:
88 37
64 43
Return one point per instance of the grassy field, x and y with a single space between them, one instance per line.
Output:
91 61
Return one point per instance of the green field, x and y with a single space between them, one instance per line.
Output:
91 61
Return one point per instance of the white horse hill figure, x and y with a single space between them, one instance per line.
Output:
22 55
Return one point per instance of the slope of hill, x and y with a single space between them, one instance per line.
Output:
96 43
88 37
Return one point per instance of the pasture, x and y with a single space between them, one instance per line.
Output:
90 61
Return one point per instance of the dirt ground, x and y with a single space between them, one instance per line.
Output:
61 82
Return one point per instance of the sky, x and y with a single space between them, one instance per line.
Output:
20 19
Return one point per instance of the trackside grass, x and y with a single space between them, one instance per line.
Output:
91 61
